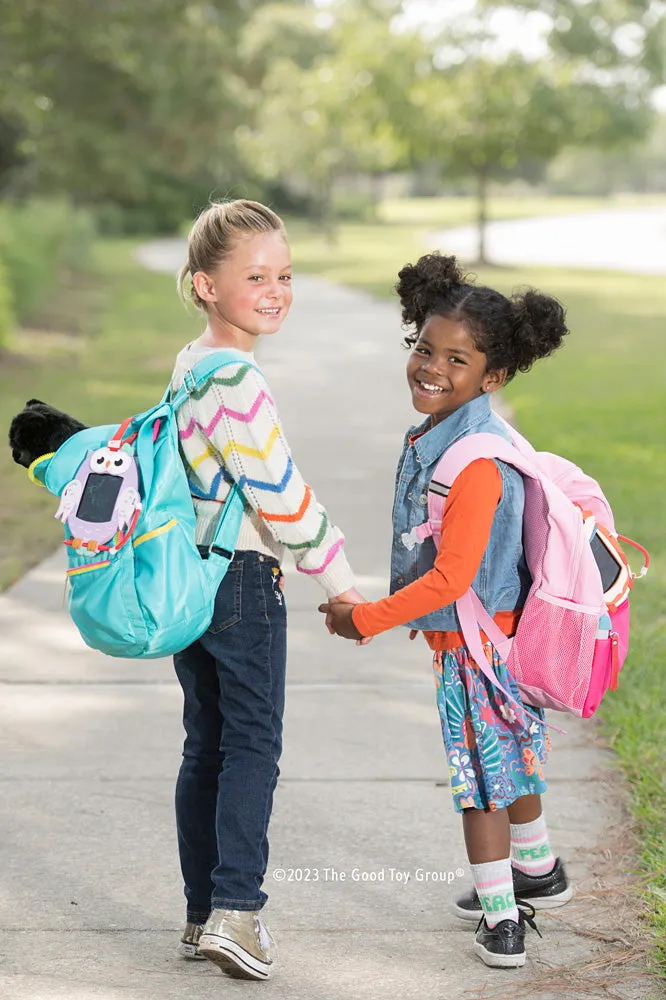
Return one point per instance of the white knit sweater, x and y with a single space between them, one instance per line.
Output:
230 430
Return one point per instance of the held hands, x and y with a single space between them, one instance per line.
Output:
338 613
339 621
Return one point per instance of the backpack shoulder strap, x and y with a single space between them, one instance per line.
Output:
454 460
474 446
221 551
471 612
473 615
202 371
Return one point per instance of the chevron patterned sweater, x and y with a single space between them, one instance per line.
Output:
230 431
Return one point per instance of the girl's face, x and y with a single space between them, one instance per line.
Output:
445 370
249 293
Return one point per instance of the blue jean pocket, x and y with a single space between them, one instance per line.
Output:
228 600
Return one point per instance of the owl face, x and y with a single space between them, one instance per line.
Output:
114 463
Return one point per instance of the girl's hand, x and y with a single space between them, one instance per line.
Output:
339 616
352 596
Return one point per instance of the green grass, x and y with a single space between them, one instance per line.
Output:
600 402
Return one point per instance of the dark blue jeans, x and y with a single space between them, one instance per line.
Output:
233 681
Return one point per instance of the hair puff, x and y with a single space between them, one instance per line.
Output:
425 287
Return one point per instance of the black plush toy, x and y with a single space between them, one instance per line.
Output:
38 430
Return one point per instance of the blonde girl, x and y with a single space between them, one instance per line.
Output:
238 273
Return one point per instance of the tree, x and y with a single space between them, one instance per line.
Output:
483 112
115 100
342 110
624 38
641 167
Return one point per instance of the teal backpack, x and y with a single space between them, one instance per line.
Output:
139 587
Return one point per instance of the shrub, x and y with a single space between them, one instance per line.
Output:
6 308
38 239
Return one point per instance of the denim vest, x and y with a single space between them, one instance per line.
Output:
503 578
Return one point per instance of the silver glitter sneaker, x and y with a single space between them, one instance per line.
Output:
188 946
238 942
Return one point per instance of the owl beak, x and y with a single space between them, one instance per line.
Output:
108 464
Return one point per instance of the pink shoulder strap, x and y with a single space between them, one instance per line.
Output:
474 446
473 616
471 611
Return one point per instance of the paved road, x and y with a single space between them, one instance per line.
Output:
90 898
618 239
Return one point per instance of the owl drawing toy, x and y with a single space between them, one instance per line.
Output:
101 504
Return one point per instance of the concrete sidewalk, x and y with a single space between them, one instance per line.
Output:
91 901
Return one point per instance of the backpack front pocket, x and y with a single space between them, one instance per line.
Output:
155 532
552 652
610 651
77 570
103 603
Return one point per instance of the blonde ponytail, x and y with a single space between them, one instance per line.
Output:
214 234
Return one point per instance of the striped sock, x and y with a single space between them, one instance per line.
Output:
493 882
530 847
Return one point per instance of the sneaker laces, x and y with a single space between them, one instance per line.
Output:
526 914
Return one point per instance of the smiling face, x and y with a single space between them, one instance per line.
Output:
445 369
249 293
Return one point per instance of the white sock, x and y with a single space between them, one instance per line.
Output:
530 847
493 882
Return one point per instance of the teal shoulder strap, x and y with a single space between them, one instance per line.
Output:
202 371
221 551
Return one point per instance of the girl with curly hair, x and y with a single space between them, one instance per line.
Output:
467 341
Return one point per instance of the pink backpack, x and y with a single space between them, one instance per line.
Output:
573 634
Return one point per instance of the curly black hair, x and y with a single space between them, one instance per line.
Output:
513 332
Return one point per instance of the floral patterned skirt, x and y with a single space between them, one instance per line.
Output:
496 753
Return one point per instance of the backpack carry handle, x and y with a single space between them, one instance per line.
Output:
646 554
117 440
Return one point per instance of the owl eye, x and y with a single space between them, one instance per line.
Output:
120 463
99 459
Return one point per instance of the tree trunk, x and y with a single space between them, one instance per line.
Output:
482 210
376 196
327 212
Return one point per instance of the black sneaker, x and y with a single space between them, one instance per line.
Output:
544 892
503 946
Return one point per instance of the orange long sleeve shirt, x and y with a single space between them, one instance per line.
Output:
468 518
